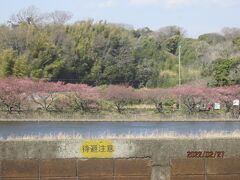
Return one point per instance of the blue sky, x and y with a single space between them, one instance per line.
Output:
195 16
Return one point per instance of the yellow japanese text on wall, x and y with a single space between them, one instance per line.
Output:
97 149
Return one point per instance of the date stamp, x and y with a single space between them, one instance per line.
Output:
205 154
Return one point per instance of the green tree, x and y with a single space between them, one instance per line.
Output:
21 67
236 43
212 38
221 71
51 71
172 43
7 61
226 72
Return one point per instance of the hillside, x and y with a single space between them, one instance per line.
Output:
99 53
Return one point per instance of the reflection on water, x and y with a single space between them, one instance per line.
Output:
94 129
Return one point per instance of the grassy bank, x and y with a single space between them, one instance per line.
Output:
154 135
140 115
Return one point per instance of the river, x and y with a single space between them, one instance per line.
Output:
95 129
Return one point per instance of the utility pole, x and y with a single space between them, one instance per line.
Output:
179 66
179 74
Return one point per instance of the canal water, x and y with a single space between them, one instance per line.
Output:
95 129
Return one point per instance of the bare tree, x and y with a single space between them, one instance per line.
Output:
169 31
59 17
231 33
29 15
222 50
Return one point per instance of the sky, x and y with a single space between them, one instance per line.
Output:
195 16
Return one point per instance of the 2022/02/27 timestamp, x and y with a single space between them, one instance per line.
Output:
205 154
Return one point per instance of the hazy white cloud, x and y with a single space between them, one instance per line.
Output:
102 4
144 2
165 3
177 3
226 2
174 3
107 3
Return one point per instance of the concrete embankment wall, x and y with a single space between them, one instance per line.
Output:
156 159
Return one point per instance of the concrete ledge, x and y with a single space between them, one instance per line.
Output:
156 159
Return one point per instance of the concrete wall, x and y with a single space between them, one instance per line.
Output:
169 159
209 169
73 169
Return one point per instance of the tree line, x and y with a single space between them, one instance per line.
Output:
26 96
44 46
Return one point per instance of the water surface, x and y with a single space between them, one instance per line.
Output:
95 129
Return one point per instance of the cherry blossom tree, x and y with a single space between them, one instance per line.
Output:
193 97
226 95
18 95
157 96
121 96
44 94
83 97
14 94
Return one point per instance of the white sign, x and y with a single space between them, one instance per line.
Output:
236 102
217 106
